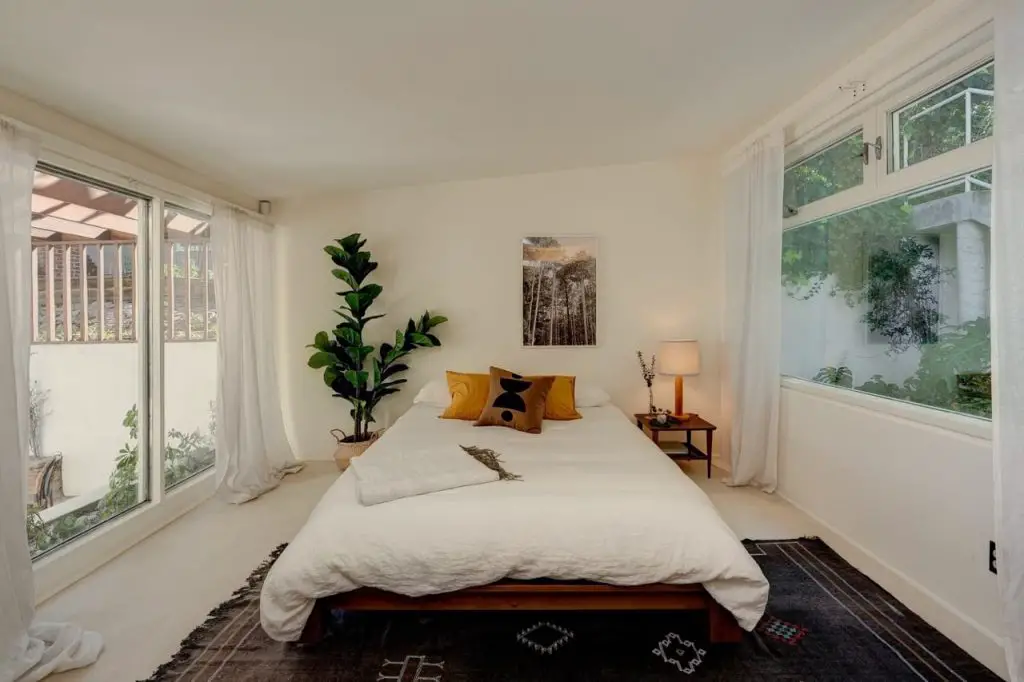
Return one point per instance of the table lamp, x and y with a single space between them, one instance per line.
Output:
679 358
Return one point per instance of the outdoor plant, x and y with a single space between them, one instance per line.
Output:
343 354
184 454
835 376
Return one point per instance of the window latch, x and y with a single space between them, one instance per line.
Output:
866 152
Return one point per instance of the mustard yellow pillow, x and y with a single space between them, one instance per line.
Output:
469 395
561 400
515 401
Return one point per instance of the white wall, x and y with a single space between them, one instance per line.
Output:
908 503
823 331
455 248
90 387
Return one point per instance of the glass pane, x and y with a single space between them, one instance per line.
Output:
83 465
828 172
190 348
893 298
947 119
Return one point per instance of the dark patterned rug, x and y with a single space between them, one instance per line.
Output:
825 621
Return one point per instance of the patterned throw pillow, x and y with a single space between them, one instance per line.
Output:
515 401
469 397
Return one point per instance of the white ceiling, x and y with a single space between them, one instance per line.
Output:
285 97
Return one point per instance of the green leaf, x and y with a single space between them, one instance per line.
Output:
345 277
352 243
372 290
320 341
394 354
434 341
391 370
436 320
355 303
399 339
376 372
356 378
321 359
348 335
410 328
385 348
420 339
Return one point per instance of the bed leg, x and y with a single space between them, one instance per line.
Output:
316 626
723 626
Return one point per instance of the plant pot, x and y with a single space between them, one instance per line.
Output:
348 449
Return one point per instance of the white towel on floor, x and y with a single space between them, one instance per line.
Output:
388 475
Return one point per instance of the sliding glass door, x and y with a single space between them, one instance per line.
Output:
87 460
123 359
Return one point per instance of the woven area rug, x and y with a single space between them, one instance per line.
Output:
825 621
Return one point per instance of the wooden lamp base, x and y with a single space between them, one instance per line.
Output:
679 401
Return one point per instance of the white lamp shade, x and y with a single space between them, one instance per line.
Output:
679 358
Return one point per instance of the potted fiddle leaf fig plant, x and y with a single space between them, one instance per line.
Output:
349 365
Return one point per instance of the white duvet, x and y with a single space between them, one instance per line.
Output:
598 501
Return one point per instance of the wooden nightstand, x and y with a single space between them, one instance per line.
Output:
687 450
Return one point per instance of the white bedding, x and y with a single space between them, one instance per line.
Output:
598 501
392 474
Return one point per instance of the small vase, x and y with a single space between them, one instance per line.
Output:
651 409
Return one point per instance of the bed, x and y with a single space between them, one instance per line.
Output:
600 520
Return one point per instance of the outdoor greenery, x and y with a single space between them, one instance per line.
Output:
343 353
873 257
835 376
185 454
832 170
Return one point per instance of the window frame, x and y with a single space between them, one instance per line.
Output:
873 115
63 565
882 181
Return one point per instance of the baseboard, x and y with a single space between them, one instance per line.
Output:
968 634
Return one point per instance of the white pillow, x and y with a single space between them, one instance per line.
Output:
591 396
434 393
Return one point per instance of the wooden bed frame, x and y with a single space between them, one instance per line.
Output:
534 595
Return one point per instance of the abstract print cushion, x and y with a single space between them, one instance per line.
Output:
515 401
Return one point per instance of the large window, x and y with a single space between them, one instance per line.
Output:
886 287
107 268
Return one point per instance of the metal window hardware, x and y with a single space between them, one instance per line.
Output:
866 151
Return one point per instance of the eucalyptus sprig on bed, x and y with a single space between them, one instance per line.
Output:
343 353
492 460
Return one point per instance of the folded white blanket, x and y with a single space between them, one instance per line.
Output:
386 475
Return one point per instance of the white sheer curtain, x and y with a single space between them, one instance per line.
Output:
252 450
28 651
1008 324
753 254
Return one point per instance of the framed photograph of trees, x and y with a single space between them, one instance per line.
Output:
560 291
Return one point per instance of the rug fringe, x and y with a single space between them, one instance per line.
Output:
218 614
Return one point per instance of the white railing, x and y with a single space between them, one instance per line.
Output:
85 292
968 95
